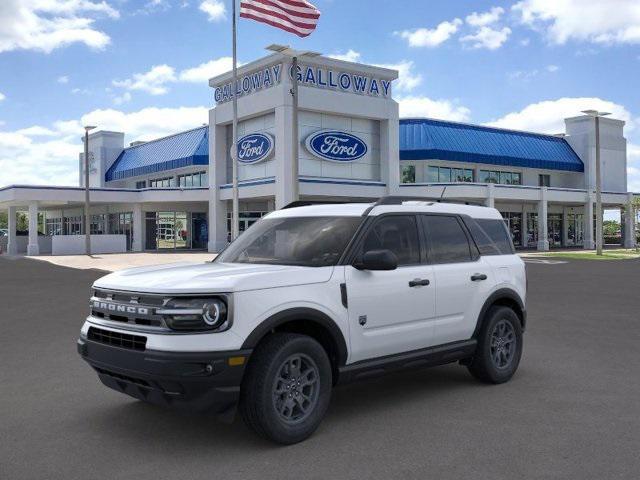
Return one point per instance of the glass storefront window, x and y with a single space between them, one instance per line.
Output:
514 224
504 178
575 229
532 230
176 230
408 174
432 174
447 174
554 229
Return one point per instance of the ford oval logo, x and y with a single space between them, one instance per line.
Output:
336 146
255 147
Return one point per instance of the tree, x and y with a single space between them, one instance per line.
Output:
3 220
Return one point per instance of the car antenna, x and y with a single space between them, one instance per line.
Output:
442 194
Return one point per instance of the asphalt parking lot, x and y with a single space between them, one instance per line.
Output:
572 411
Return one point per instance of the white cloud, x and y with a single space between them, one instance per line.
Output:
407 78
548 116
552 68
2 96
48 155
424 37
63 79
203 72
525 42
120 99
349 56
420 106
214 9
486 18
595 21
526 75
487 37
45 25
154 81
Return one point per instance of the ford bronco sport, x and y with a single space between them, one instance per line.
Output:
309 297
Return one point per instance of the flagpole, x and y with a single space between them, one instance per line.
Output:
235 226
295 194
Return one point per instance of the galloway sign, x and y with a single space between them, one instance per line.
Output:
328 78
336 146
255 147
248 84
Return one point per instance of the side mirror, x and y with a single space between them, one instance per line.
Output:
378 260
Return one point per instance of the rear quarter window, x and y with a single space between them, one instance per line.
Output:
491 236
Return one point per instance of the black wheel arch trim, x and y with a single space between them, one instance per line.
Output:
495 297
300 314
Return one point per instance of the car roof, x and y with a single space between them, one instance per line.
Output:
408 206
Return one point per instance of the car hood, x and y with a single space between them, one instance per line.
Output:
211 277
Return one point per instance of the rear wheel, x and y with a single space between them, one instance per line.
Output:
287 388
499 346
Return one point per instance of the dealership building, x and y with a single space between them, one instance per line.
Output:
176 192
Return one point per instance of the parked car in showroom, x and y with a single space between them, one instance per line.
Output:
310 297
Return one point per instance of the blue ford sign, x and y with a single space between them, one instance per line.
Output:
336 146
255 147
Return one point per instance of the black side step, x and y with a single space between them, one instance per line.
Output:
426 357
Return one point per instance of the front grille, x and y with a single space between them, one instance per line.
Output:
117 339
130 308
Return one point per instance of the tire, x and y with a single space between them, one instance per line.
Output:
499 346
276 403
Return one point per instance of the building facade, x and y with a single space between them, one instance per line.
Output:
175 192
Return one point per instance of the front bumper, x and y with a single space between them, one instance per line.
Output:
196 381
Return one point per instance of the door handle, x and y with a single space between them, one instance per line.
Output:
478 276
419 282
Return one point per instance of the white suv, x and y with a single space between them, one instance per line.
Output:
309 297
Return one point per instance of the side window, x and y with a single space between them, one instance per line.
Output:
496 230
448 242
397 233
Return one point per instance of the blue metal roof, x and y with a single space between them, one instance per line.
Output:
176 151
426 139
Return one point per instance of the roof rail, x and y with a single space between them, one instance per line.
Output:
307 203
399 200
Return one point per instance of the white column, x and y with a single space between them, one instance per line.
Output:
33 247
629 224
589 242
218 209
390 152
283 156
490 200
12 246
138 221
543 238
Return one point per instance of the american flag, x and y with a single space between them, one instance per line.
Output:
294 16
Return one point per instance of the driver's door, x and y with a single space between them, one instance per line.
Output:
391 311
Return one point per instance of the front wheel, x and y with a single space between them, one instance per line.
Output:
287 388
499 346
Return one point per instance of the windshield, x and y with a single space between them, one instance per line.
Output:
303 241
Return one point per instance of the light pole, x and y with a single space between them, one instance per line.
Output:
87 217
295 145
596 114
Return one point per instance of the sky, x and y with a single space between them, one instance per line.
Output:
141 66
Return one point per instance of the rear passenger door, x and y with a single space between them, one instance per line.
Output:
463 279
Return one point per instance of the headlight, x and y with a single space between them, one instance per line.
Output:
196 314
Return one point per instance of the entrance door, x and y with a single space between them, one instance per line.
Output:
532 230
514 224
389 312
554 229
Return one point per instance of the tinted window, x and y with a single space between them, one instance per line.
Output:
447 241
397 233
304 241
491 236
